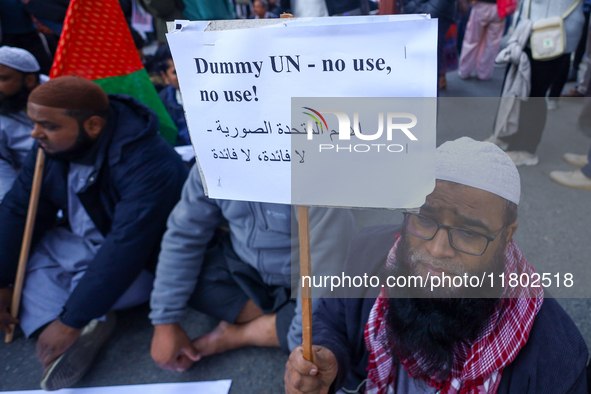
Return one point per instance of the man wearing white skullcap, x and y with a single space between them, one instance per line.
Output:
448 327
19 75
115 180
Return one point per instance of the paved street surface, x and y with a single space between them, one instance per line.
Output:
554 234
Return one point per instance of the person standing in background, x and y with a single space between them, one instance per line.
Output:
581 177
18 30
208 10
482 40
523 144
444 11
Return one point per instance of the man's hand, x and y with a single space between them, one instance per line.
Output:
54 341
302 376
172 349
6 318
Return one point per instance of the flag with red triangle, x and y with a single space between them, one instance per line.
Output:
96 44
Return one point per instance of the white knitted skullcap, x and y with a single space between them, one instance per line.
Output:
19 59
481 165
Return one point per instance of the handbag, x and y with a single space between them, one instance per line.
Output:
548 38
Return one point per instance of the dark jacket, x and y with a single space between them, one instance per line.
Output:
137 181
552 361
341 6
51 10
177 113
444 9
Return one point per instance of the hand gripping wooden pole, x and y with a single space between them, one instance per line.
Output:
28 236
305 270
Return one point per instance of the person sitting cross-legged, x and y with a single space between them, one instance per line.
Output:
108 186
232 260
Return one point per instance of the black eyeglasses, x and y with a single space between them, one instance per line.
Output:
461 239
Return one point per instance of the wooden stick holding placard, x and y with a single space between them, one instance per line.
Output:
27 238
305 270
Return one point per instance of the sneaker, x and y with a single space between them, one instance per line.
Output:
500 143
551 104
572 93
71 366
523 158
576 160
574 179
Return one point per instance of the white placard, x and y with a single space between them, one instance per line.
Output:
237 87
213 387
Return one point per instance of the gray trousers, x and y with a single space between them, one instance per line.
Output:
54 269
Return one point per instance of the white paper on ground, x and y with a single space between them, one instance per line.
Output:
213 387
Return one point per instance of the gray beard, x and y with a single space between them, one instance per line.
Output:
430 328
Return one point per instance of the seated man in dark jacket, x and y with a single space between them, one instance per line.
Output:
109 183
441 339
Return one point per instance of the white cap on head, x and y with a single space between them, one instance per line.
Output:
19 59
481 165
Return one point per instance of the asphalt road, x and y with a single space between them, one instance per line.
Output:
554 233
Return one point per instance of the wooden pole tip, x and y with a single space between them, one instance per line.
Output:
8 337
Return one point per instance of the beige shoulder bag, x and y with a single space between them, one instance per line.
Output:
548 38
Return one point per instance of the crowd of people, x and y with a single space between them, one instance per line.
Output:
539 79
122 221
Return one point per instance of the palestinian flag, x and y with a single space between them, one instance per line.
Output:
96 44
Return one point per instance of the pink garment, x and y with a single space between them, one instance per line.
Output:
481 41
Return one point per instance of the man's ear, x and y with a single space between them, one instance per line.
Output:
94 125
31 81
510 231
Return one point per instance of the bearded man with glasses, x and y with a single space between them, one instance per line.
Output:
460 337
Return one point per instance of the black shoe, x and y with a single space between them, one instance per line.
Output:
71 366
